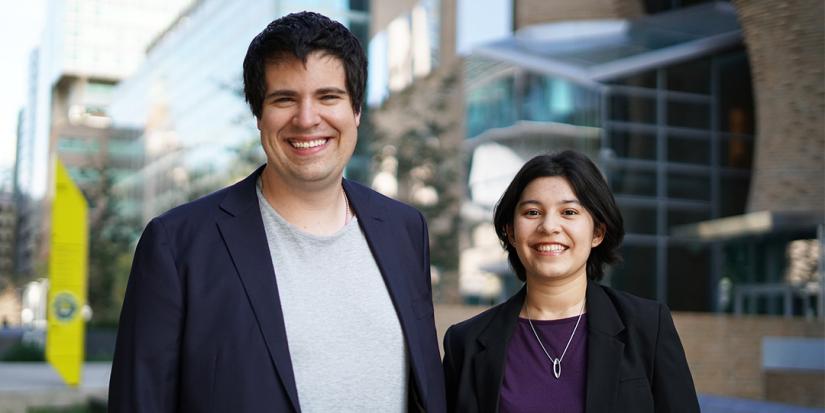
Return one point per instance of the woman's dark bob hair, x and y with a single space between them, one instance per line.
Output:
593 193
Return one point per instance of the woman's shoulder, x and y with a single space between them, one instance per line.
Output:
635 312
500 315
630 301
476 323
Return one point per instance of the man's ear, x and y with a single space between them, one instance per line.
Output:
598 235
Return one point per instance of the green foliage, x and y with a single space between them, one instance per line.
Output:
24 352
94 405
111 238
417 129
81 408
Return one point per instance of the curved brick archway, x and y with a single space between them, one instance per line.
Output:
785 42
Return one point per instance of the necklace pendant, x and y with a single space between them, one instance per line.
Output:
557 368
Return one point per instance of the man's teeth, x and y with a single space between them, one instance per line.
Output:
551 248
308 144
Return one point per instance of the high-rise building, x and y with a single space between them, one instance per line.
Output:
187 98
86 48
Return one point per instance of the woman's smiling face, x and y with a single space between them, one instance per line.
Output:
552 231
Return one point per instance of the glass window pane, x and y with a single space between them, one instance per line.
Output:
359 5
736 112
688 115
680 185
688 278
644 79
692 77
639 220
677 217
550 99
491 106
635 145
633 182
736 151
632 109
688 150
637 272
733 194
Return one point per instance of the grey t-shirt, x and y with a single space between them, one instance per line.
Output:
345 339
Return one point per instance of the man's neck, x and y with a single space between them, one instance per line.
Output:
318 209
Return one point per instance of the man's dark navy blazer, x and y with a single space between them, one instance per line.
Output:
202 329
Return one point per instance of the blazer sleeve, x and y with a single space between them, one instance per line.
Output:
450 371
144 374
672 384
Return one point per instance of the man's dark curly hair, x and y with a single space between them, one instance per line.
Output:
299 35
590 189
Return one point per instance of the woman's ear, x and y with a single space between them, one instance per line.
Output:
511 238
598 235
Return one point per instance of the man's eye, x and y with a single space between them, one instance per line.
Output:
330 97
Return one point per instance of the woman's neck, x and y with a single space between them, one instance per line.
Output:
556 300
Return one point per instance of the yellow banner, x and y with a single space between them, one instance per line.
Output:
67 279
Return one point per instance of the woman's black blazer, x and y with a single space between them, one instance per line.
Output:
635 361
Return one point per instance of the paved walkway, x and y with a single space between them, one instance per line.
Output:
719 404
24 385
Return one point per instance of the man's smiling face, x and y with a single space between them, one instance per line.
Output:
308 125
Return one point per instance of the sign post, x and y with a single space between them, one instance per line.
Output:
67 279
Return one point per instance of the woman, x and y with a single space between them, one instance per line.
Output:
564 343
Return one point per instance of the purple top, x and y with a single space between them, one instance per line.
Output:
529 384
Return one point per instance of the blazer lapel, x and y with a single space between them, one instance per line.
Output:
604 350
244 235
391 259
488 363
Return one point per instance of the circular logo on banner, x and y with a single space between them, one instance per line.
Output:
65 306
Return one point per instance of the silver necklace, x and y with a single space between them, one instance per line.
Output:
556 361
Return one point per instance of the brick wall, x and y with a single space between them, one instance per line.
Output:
725 352
786 42
528 12
795 387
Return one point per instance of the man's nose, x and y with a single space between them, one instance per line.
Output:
307 115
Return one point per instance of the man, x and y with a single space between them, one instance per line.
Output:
294 289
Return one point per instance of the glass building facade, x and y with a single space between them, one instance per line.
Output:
663 104
187 98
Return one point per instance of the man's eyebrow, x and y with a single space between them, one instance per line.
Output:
289 93
330 91
280 92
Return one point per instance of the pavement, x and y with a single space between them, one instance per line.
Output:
25 385
720 404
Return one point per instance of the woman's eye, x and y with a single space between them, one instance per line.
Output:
532 213
570 212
